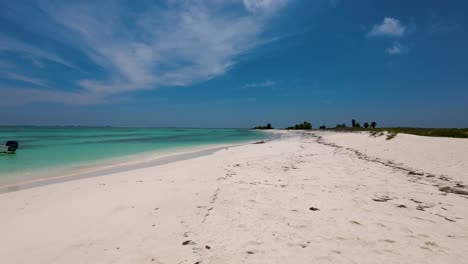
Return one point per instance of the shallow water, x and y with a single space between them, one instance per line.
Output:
42 148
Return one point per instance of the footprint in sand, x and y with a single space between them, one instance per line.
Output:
302 245
430 243
254 243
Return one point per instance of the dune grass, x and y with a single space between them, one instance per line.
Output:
428 132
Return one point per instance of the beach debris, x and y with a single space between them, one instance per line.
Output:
401 206
188 242
157 208
355 222
430 243
415 173
444 178
314 209
259 142
416 201
207 247
250 252
384 198
422 207
449 189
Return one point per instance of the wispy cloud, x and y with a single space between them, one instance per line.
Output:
22 78
265 84
14 45
443 28
396 49
147 45
390 27
178 45
256 6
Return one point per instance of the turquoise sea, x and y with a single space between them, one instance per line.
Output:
43 148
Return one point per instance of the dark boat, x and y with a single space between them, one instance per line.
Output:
10 147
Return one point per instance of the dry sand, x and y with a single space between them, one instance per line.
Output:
323 198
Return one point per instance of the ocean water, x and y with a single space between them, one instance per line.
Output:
43 148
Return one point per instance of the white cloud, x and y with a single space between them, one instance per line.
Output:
188 42
174 44
23 78
396 49
256 6
389 27
267 83
10 44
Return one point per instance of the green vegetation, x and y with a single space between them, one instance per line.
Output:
391 135
393 131
428 132
303 126
389 132
268 126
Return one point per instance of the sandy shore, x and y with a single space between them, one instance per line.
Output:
303 198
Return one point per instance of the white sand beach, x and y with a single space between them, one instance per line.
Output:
325 197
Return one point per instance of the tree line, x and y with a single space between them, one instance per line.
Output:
306 126
355 124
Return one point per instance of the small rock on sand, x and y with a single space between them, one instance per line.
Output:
188 242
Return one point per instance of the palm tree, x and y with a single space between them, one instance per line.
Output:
353 123
366 125
373 124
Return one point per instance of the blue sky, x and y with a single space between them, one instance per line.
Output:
234 63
